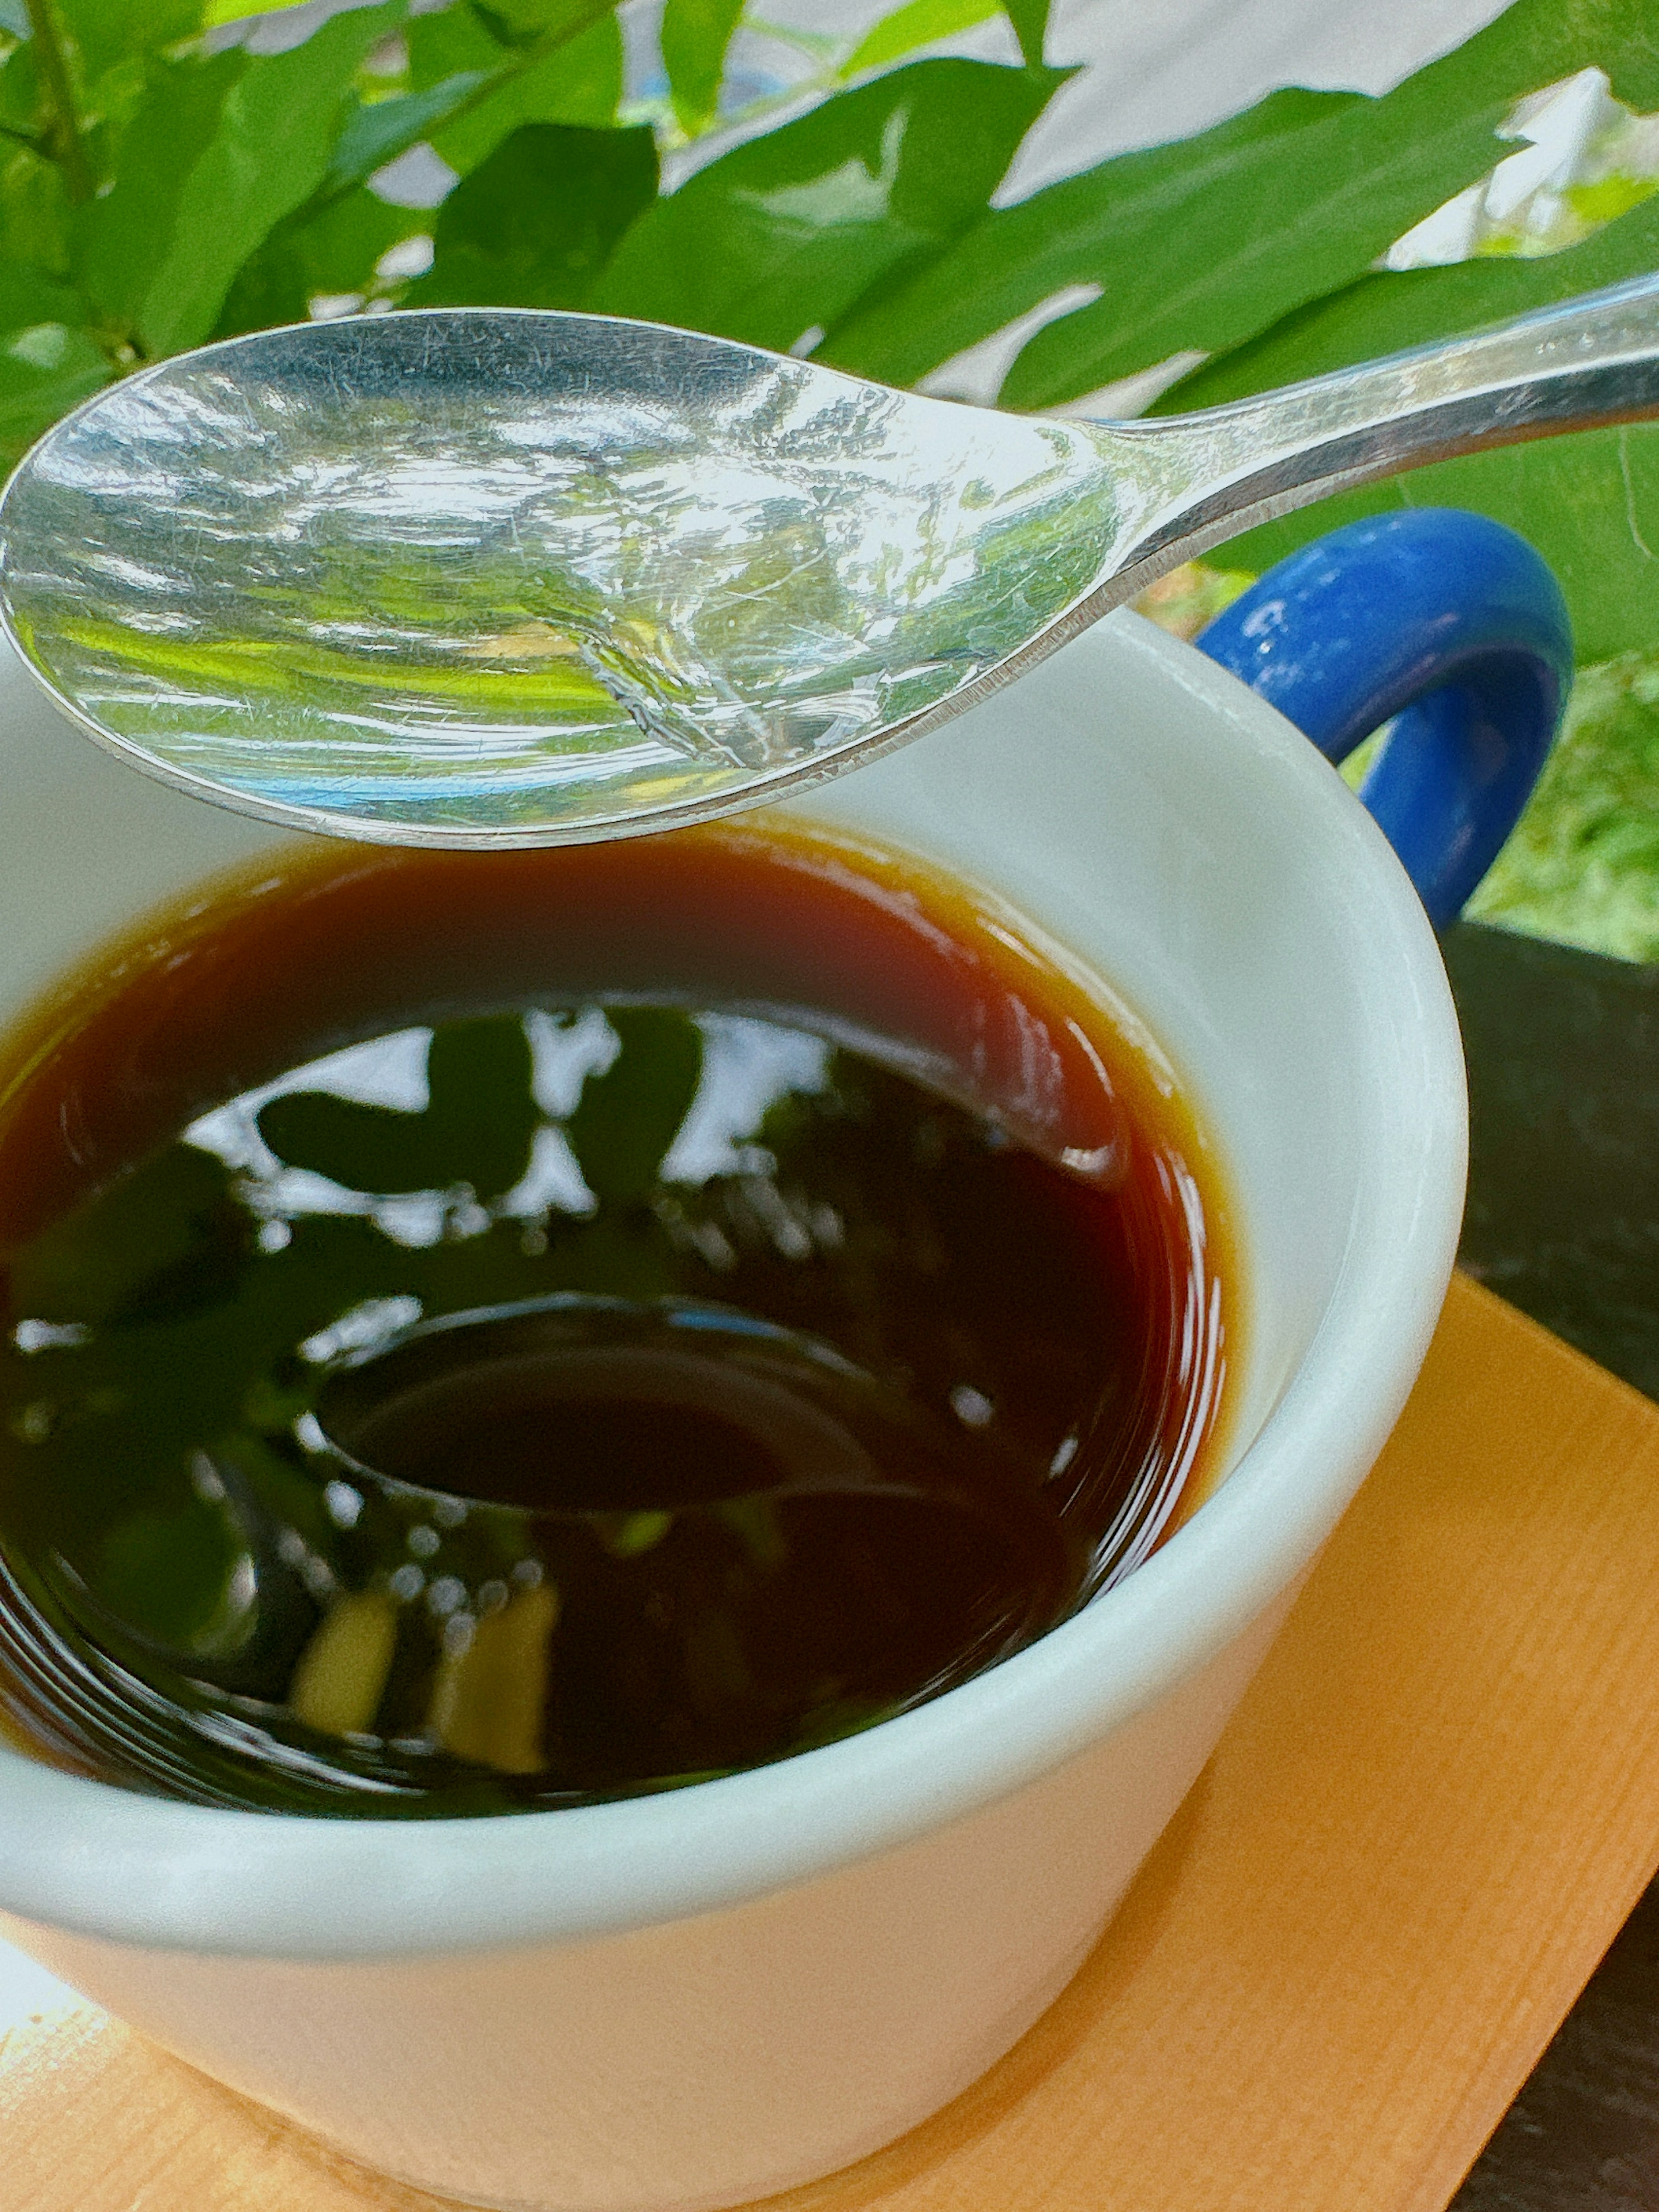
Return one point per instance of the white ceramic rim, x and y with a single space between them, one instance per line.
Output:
105 1862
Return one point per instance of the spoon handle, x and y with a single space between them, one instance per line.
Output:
1590 360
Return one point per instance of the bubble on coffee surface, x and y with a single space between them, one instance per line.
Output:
542 1404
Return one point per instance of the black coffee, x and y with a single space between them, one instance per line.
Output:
486 1333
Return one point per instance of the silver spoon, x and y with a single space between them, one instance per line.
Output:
492 577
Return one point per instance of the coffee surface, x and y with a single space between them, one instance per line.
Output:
491 1332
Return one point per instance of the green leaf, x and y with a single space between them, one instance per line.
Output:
363 1148
1582 865
478 1127
335 252
29 296
917 24
34 198
790 229
579 80
122 240
1031 21
237 11
46 369
626 1119
1391 309
534 226
695 34
237 192
1589 503
108 32
452 43
377 131
1203 244
1533 43
20 91
533 19
60 124
1193 245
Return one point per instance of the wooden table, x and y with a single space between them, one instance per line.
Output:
1563 1219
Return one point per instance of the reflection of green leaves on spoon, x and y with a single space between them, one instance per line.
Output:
476 1127
554 685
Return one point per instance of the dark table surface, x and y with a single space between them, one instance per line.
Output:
1563 1220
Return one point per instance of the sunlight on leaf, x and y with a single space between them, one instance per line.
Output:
1190 597
918 23
235 11
695 34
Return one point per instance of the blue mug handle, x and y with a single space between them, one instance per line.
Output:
1446 623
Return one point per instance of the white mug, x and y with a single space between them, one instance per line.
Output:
693 1999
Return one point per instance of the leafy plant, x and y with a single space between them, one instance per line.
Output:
1589 503
160 187
790 232
1583 864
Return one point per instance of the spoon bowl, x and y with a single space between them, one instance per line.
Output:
496 576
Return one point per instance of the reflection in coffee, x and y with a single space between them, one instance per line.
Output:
488 1333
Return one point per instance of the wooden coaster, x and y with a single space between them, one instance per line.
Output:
1434 1809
